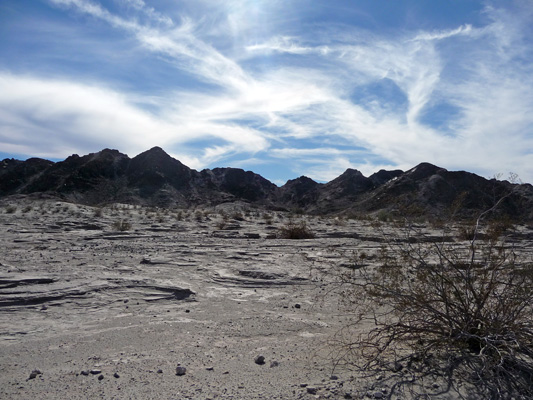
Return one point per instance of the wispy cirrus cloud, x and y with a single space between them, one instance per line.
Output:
248 84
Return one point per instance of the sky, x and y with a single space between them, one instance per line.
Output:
281 87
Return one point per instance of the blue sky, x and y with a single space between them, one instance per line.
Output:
281 87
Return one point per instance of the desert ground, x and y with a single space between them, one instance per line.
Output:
109 302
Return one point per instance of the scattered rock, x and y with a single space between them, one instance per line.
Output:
85 372
180 371
297 305
274 364
334 377
259 360
100 377
159 371
34 374
312 390
96 371
116 375
210 368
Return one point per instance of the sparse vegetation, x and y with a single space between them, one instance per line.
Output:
199 216
268 218
296 230
122 225
11 209
384 216
237 216
445 316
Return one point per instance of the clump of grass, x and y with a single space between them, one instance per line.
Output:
199 216
466 232
237 216
268 218
384 216
121 225
295 230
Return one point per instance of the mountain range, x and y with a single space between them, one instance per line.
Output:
155 178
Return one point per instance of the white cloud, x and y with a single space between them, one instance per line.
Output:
46 114
306 96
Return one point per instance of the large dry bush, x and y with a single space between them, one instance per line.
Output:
436 317
295 230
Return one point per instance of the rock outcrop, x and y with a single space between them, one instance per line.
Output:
155 178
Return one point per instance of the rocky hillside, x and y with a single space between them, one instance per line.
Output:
155 178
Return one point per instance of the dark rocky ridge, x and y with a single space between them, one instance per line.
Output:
155 178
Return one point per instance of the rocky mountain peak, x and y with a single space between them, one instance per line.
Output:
154 177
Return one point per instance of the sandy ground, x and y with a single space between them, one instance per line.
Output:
104 313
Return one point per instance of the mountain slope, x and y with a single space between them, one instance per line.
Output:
155 178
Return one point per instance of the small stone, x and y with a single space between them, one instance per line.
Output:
180 371
259 360
397 367
348 396
378 395
116 375
297 305
302 385
85 372
159 371
100 377
274 364
312 390
95 371
334 377
34 374
210 368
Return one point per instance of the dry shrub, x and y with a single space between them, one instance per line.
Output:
443 316
295 230
121 225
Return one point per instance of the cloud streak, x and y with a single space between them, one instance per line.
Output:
323 101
